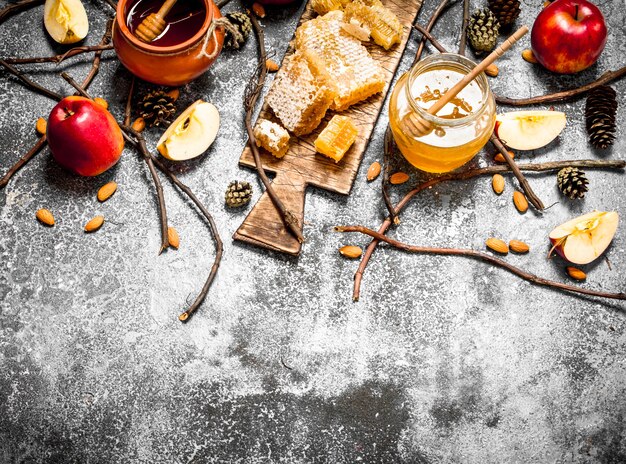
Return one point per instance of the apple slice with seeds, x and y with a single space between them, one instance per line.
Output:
191 134
529 130
585 238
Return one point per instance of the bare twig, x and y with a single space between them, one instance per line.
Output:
22 161
431 23
389 149
430 38
129 103
488 171
252 93
112 4
16 7
29 83
59 58
95 66
565 95
532 278
464 22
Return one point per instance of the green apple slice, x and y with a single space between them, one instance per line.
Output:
65 20
191 134
586 237
529 130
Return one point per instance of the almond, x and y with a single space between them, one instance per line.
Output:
398 178
94 224
172 238
102 102
520 201
501 159
492 70
518 246
173 94
497 183
351 251
139 124
105 192
41 126
258 10
45 217
576 273
373 171
529 56
271 65
497 245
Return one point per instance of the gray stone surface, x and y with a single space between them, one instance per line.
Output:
442 360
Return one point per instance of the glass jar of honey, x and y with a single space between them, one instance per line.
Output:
458 131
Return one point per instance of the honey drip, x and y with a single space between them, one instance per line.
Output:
429 95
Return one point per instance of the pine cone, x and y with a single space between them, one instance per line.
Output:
600 113
241 22
572 182
157 107
506 11
238 194
482 30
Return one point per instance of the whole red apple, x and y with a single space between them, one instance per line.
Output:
83 136
568 36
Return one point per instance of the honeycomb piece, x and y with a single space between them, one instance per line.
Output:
301 93
356 74
271 136
386 28
337 137
324 6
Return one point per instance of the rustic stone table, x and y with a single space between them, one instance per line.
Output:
442 360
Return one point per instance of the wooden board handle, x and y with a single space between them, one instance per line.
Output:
264 227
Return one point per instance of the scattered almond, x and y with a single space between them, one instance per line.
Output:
105 192
497 183
501 159
497 245
271 65
172 237
398 178
102 102
351 251
94 224
139 124
41 126
45 217
576 273
518 246
529 56
373 171
492 70
258 10
520 201
173 94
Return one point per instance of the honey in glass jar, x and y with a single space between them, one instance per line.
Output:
458 131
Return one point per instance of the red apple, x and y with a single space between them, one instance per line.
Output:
83 136
568 36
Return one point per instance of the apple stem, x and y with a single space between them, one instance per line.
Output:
68 112
576 13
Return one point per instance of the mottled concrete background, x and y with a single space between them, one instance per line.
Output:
442 360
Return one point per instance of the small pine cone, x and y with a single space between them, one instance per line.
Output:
572 182
241 22
238 194
157 108
506 11
482 30
600 113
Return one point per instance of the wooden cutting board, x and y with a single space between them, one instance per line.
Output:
302 166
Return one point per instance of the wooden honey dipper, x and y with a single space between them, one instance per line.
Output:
418 126
154 25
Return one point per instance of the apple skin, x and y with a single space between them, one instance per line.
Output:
83 136
566 45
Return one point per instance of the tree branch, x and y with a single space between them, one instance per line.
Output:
16 7
29 83
431 23
59 58
532 278
23 160
487 171
464 22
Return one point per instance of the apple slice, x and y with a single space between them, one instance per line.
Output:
585 238
191 134
529 130
65 20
